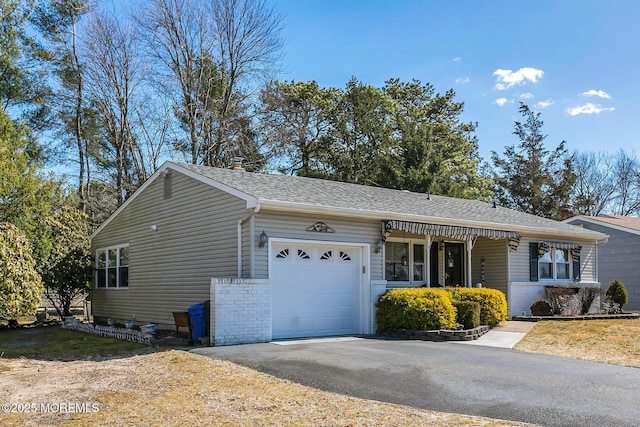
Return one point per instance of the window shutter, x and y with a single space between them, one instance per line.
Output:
576 269
533 261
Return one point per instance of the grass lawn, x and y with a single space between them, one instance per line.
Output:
170 387
606 341
55 343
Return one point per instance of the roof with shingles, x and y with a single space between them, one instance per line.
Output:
317 195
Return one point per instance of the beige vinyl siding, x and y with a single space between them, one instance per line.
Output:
290 226
519 261
246 248
589 263
495 253
171 269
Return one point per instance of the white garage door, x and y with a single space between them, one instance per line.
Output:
315 290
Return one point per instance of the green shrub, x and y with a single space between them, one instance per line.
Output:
617 293
468 313
541 308
417 308
20 283
493 304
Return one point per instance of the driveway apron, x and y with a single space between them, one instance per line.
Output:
473 380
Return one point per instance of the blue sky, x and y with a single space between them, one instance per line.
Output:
576 62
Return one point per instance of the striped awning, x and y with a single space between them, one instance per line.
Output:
560 245
451 231
574 248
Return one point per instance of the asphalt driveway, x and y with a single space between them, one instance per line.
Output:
474 380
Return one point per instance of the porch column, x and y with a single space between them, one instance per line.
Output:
428 262
469 276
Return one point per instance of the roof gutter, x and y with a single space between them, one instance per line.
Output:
246 218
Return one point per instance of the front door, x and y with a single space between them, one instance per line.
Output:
454 264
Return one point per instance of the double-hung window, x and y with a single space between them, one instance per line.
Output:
112 267
554 264
405 261
562 263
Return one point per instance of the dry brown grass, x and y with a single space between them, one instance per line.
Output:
607 341
179 388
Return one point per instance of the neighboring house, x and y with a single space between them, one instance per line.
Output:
619 258
283 256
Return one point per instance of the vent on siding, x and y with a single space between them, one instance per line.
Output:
167 185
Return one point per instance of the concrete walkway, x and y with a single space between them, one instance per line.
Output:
505 335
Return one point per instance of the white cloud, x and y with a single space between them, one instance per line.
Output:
598 93
587 108
462 80
509 78
500 101
457 59
543 104
526 95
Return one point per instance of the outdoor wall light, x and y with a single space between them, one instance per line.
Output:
379 246
263 240
154 227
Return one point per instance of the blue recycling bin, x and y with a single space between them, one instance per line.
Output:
196 318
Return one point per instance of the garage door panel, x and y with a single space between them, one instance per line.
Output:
315 290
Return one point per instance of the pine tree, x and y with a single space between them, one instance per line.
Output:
529 178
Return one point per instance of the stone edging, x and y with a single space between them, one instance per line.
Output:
438 334
142 336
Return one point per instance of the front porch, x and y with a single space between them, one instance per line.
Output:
430 255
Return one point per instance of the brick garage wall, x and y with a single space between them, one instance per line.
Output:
240 311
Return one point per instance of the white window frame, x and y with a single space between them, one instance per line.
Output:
411 243
554 266
98 270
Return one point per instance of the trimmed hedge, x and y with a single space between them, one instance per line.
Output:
493 304
416 308
428 308
468 313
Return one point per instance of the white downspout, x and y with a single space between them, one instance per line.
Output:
240 222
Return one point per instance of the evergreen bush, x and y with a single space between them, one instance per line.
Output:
617 293
417 309
468 313
493 303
